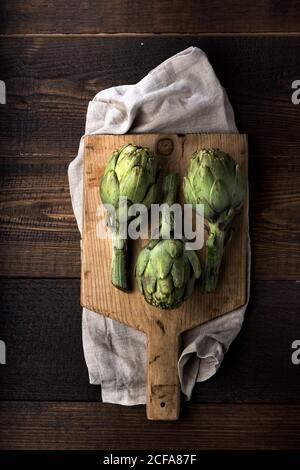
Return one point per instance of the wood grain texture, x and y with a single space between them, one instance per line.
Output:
163 352
40 322
44 425
44 118
98 16
39 235
161 327
50 81
97 292
38 230
49 85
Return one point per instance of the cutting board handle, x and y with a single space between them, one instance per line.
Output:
163 390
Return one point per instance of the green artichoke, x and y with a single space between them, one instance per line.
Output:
215 180
165 270
130 173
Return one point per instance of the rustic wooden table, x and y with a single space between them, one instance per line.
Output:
55 56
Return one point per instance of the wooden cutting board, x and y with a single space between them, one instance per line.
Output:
162 327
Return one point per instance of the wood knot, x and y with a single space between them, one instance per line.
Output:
165 146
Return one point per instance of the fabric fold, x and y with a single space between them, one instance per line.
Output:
181 95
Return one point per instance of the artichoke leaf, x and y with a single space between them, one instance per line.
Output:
188 191
111 165
178 295
195 262
142 261
134 186
150 196
219 196
177 273
140 284
109 189
161 261
149 280
152 243
165 286
238 193
125 165
174 247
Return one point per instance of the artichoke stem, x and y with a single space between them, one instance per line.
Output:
169 197
119 273
214 253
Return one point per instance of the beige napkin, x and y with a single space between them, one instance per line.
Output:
182 95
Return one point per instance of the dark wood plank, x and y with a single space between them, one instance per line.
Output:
41 324
116 16
44 119
50 81
39 235
258 366
25 425
275 217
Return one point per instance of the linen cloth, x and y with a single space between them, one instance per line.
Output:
181 95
